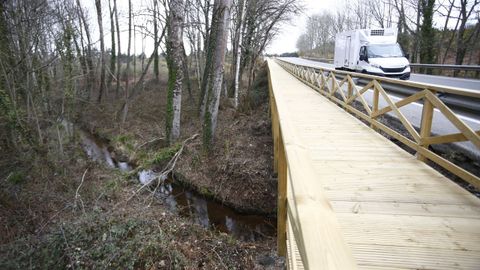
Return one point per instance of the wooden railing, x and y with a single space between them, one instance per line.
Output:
345 92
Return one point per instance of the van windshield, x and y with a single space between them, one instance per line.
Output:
384 50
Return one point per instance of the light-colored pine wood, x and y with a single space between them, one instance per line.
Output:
320 247
426 126
457 137
397 111
401 103
354 195
464 128
419 142
282 200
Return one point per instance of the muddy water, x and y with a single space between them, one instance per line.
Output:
185 202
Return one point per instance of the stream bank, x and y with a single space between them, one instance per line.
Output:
180 199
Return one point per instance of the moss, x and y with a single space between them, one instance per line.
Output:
122 138
206 192
16 177
207 132
165 154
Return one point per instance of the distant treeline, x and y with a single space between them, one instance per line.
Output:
454 41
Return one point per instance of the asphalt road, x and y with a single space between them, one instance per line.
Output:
413 112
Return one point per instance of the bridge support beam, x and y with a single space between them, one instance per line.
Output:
282 200
280 167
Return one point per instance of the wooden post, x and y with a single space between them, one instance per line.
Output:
332 76
425 126
350 88
282 199
376 95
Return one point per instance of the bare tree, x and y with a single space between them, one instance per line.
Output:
119 66
238 50
89 56
467 8
218 40
112 50
175 69
156 69
98 5
127 72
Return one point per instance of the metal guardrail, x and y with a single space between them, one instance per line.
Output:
344 92
449 67
415 65
323 60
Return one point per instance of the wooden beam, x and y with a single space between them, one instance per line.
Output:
360 95
464 128
450 138
399 114
282 200
449 166
425 126
401 103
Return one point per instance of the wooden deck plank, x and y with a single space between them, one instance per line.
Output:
395 212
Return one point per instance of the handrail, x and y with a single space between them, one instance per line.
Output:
417 85
302 204
324 81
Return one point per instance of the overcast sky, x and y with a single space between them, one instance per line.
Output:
286 41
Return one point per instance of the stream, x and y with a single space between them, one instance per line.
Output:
183 201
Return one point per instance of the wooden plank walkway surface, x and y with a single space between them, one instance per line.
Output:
393 211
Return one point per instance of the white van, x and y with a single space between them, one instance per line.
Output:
372 51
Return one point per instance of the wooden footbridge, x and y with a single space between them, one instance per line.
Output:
349 198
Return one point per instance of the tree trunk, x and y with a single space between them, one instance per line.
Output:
218 37
91 71
175 69
238 54
112 33
119 51
127 71
98 5
156 70
186 73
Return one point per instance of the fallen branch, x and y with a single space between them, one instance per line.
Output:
78 189
165 172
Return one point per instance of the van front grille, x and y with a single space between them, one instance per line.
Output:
377 32
393 70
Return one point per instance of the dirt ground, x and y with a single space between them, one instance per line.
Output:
66 211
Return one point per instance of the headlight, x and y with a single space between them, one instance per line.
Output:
375 65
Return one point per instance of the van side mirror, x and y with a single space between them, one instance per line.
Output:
407 55
363 57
